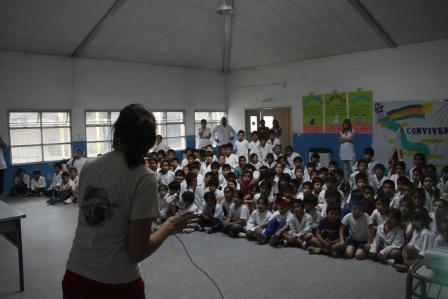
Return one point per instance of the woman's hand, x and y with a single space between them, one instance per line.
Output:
177 223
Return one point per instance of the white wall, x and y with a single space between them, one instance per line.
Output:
412 72
30 81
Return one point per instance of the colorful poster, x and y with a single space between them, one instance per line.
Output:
313 114
335 111
412 127
360 110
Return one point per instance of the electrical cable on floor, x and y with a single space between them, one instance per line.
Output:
199 268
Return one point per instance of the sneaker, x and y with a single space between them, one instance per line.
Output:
52 201
305 245
208 230
274 241
285 243
400 267
68 200
262 238
242 235
314 250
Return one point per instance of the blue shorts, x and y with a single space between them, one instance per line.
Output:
356 244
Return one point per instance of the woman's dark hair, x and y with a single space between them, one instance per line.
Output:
135 130
349 123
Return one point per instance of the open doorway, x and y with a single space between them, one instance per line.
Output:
282 114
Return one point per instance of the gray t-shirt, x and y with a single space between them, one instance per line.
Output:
110 195
358 228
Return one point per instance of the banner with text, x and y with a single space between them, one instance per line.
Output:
412 126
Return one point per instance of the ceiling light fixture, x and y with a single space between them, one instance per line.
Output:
225 9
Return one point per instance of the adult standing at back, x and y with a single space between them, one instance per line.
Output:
204 134
263 131
347 149
2 164
78 161
223 134
118 201
276 129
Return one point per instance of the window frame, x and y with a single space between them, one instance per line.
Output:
166 138
110 125
41 127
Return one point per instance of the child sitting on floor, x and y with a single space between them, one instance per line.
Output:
238 216
259 219
422 238
300 224
38 184
357 224
378 216
329 238
21 183
63 190
277 224
212 215
389 238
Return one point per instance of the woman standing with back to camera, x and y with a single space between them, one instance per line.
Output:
117 202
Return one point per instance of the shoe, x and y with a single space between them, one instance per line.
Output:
285 243
400 267
208 230
201 229
52 201
274 241
314 250
242 235
68 200
305 245
262 238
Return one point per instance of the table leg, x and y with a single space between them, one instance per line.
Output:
19 249
423 294
409 286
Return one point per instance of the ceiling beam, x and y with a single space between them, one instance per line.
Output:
96 29
367 16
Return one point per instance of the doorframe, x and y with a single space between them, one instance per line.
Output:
247 121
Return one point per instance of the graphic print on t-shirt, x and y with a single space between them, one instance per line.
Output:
96 206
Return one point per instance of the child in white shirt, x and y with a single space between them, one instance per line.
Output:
255 162
63 189
238 216
389 238
165 176
357 223
263 149
278 224
422 238
212 215
258 220
254 144
442 239
241 146
37 184
188 204
378 216
300 225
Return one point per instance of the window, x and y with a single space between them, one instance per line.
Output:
171 125
213 119
38 136
99 131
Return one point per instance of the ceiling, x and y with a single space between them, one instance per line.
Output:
190 33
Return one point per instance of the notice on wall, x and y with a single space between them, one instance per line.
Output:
313 114
412 127
360 110
335 111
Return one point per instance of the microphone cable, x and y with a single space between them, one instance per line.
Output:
199 268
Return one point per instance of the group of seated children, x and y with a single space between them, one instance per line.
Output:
387 215
64 186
